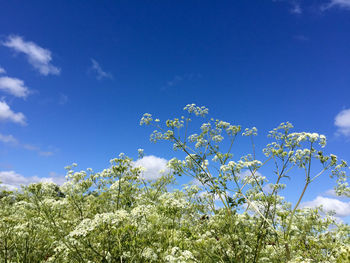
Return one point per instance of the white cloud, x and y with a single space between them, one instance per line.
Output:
14 87
197 182
342 121
2 70
246 173
100 74
8 139
30 147
7 114
153 166
40 58
12 180
48 153
268 188
345 4
34 148
342 209
55 178
331 192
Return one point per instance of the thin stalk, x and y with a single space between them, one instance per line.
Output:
297 204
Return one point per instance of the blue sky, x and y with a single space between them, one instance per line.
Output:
75 77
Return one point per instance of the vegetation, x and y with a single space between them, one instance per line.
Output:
225 215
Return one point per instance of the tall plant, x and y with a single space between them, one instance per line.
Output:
238 183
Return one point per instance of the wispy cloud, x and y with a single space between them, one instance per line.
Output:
6 114
342 122
296 8
63 99
301 38
11 140
12 180
154 167
341 209
175 81
2 70
8 139
34 148
46 154
100 74
343 4
14 87
332 193
40 58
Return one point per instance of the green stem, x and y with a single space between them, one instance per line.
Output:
297 204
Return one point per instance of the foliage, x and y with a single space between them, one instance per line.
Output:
117 216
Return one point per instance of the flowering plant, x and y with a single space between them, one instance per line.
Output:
226 215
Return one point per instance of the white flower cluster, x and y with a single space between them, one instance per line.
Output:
236 167
198 111
88 225
172 202
248 132
217 138
312 137
176 123
177 255
146 119
206 127
149 254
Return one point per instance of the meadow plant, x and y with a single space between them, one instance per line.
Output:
225 214
238 183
